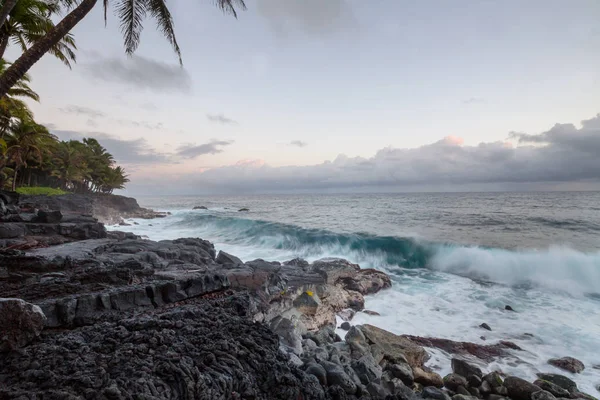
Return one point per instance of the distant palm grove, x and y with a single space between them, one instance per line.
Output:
30 155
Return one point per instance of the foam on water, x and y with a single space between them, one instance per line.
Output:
439 290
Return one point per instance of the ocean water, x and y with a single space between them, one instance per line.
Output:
455 259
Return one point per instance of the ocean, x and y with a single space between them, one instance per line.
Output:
456 259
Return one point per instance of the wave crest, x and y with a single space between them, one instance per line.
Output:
556 268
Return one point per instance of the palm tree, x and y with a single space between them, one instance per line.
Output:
115 179
70 165
131 14
11 105
24 143
28 22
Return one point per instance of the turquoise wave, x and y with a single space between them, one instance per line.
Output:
393 251
557 268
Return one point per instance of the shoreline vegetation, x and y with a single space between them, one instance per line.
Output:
99 314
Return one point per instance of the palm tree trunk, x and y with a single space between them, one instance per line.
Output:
3 42
14 185
42 46
6 9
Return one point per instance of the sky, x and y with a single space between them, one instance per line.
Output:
341 95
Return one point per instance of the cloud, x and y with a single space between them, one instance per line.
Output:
142 124
136 151
221 119
563 154
85 111
140 72
193 150
474 100
314 17
149 106
298 143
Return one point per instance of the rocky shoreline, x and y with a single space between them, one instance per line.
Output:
91 314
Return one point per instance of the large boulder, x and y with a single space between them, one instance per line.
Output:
454 381
228 259
333 269
461 367
427 378
431 392
520 389
550 387
367 281
559 380
395 347
21 322
568 364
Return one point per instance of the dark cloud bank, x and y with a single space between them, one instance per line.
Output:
563 157
134 151
141 73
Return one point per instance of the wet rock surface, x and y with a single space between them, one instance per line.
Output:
568 364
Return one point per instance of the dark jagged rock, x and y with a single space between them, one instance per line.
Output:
510 345
228 259
559 380
486 353
493 379
568 364
520 389
485 326
454 381
11 230
243 210
367 281
109 209
556 390
461 367
345 325
463 390
206 351
508 308
431 392
21 322
474 381
395 347
49 217
200 208
427 378
403 372
542 395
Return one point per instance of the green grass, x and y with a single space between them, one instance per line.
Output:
40 191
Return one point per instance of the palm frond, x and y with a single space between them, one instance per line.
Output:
131 13
159 11
228 6
20 92
105 5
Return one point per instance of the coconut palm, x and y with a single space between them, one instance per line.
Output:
131 13
28 22
24 144
12 107
115 179
69 164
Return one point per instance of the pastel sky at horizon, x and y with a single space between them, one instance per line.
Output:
297 83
